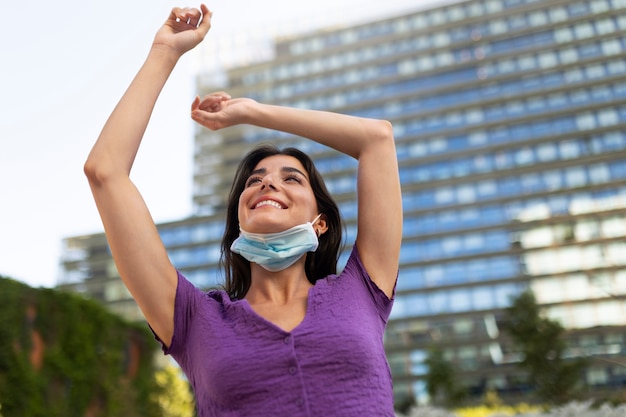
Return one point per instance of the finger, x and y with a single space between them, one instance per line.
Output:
205 119
185 16
212 102
196 104
192 16
221 94
174 13
205 23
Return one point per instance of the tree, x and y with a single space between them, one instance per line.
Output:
441 381
62 355
540 341
175 397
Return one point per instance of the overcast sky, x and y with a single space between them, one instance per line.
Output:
64 66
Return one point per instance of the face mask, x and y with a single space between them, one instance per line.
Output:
277 251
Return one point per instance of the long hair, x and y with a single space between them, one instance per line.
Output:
319 264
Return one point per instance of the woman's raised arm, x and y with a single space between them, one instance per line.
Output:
370 141
137 249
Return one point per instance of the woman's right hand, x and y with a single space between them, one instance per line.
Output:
184 29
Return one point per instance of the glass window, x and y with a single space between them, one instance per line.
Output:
497 26
547 60
535 103
526 62
569 149
517 22
441 39
460 300
614 227
575 177
617 67
563 35
584 316
594 71
557 100
503 294
456 13
574 75
578 8
552 180
483 298
558 14
487 188
438 302
476 8
444 195
466 194
493 6
416 304
538 18
605 26
451 246
474 116
473 242
585 121
608 117
505 66
568 55
599 6
583 30
611 47
524 156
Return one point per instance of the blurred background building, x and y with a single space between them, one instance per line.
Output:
509 118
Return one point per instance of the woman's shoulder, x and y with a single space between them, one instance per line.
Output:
188 289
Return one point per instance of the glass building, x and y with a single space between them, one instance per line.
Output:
509 118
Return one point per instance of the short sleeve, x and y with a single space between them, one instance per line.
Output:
354 267
188 298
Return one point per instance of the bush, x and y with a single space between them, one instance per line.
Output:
573 409
62 355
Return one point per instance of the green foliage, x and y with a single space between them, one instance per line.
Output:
540 340
175 397
441 381
62 355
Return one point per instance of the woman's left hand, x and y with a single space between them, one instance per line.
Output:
218 110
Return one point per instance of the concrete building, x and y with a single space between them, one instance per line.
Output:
509 118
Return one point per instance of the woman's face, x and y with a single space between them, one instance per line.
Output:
276 196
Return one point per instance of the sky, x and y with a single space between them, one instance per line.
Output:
66 63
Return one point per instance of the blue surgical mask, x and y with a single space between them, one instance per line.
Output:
277 251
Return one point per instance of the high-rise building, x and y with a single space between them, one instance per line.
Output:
509 118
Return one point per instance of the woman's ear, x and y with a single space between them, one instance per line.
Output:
321 226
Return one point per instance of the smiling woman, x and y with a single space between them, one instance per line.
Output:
288 335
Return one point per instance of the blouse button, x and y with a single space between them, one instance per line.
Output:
292 370
287 339
299 402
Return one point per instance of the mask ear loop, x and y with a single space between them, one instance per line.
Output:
317 232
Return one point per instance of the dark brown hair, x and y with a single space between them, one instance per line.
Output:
319 264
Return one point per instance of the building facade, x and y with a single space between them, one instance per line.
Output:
509 118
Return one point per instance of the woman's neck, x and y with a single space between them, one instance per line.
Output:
277 287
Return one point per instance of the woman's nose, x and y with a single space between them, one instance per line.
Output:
268 182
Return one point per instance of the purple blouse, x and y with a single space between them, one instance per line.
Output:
332 364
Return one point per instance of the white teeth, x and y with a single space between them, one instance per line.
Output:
269 203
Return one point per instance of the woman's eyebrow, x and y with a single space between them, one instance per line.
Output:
286 169
292 169
258 171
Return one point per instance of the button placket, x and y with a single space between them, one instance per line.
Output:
293 369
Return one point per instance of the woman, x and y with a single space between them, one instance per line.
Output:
288 337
